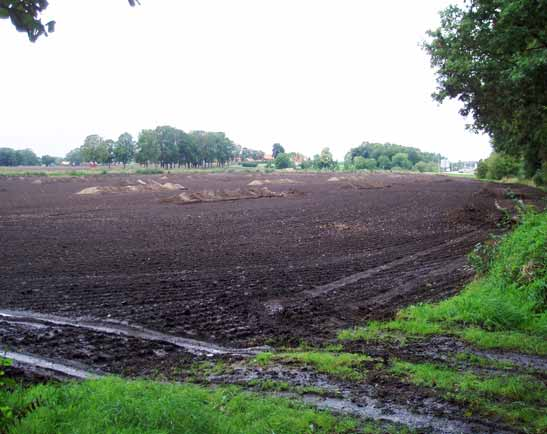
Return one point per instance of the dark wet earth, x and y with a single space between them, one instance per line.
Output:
274 271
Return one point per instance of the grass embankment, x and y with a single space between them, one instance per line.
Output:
503 308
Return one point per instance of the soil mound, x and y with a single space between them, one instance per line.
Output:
140 187
258 182
223 195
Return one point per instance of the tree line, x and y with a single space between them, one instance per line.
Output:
24 157
388 156
165 146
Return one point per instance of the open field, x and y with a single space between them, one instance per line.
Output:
134 279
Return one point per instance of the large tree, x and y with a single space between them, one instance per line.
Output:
492 56
124 149
25 15
277 149
93 149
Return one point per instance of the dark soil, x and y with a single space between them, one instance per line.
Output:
243 272
316 255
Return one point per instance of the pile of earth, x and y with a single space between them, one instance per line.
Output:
224 195
140 187
258 182
363 182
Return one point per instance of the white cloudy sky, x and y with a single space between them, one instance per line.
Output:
305 73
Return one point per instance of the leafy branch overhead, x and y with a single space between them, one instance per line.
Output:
491 55
25 15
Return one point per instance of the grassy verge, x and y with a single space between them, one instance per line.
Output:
519 400
112 405
504 308
345 366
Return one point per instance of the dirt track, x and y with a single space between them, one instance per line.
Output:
243 272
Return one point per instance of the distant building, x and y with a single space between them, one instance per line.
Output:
445 165
458 166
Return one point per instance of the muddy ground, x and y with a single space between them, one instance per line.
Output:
243 272
322 253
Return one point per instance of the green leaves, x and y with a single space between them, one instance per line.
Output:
492 56
25 16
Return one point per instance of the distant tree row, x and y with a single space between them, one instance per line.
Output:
24 157
500 165
389 156
252 154
167 146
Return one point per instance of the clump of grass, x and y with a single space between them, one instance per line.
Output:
346 366
114 405
505 308
483 362
149 171
505 340
518 399
396 330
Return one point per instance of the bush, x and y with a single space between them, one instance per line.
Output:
422 167
306 164
249 164
482 169
502 166
540 178
282 161
361 163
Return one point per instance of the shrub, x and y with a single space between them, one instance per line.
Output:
249 164
361 163
306 164
502 166
540 178
282 161
482 169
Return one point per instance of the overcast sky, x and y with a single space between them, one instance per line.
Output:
305 73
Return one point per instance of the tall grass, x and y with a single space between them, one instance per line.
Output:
113 405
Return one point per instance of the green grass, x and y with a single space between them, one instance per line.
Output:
518 399
268 385
346 366
505 308
113 405
149 171
484 362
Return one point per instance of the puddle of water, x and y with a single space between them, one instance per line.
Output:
395 414
38 362
524 360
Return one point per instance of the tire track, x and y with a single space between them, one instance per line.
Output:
191 345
